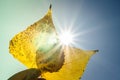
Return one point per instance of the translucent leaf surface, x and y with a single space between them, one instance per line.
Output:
38 39
38 47
75 63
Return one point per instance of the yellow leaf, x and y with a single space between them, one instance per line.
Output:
75 63
37 39
39 47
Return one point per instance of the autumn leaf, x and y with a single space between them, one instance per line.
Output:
39 47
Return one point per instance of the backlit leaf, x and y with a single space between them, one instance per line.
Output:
39 47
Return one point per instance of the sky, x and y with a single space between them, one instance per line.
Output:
97 22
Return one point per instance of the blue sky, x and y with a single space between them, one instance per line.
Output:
97 20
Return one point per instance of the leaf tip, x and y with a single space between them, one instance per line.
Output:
50 6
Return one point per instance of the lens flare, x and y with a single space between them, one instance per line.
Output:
66 38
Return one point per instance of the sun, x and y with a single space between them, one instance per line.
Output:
66 38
